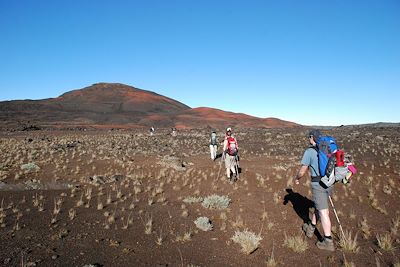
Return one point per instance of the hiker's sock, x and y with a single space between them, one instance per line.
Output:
328 237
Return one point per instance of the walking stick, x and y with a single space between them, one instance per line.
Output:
337 218
236 166
220 164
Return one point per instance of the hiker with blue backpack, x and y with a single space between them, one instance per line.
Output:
319 193
327 165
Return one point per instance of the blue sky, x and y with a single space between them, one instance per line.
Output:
311 62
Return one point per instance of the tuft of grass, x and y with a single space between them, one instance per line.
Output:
80 201
365 228
272 262
191 200
148 227
203 223
216 202
238 223
348 263
100 205
187 236
160 238
296 243
71 214
249 241
394 229
385 242
349 244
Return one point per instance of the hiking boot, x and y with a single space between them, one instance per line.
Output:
234 177
326 244
308 230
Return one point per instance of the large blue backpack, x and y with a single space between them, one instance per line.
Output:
326 149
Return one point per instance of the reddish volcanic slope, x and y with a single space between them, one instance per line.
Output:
110 104
215 118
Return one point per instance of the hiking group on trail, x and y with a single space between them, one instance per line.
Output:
326 164
322 159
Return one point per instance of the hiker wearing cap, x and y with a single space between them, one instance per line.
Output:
230 151
320 194
152 131
213 145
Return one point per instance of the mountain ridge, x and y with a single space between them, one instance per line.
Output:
120 104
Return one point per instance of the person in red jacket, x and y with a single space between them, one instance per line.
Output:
230 151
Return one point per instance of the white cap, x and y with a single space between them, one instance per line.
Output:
229 129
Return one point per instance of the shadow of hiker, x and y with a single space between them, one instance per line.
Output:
301 206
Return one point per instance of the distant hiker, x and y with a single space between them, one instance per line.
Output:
213 145
230 151
174 133
152 131
320 193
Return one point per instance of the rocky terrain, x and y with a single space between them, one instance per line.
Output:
124 198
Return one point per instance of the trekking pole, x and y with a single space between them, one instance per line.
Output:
236 166
337 218
220 164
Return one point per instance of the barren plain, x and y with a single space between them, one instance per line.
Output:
124 198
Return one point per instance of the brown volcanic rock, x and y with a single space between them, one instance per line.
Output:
215 118
118 98
99 104
118 105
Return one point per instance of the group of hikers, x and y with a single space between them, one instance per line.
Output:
322 178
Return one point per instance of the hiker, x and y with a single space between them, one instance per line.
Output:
213 145
173 133
229 153
152 131
320 194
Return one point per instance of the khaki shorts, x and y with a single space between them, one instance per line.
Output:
229 161
320 195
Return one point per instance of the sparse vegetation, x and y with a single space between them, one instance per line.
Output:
216 202
296 243
203 223
125 190
385 241
348 243
248 241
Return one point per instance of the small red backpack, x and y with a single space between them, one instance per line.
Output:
232 146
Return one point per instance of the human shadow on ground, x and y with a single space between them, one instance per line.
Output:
301 206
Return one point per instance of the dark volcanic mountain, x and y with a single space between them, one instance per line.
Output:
119 105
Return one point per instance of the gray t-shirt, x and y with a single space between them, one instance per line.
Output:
310 159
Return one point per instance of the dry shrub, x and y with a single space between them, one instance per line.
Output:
203 223
216 202
296 243
365 228
385 241
191 200
349 244
249 241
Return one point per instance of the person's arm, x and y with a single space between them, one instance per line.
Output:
302 171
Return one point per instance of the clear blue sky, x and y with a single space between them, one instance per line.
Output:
311 62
